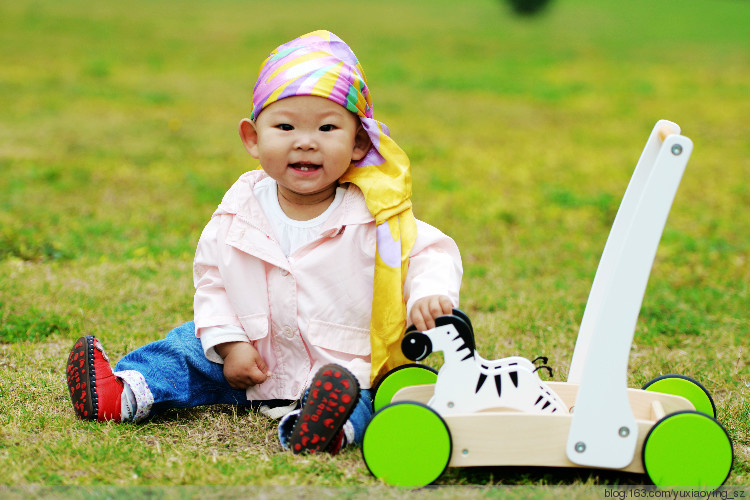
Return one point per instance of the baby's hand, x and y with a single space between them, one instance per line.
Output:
243 366
425 310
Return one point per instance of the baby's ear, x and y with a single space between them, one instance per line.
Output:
249 136
362 144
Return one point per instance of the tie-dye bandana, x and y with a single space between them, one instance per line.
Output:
321 64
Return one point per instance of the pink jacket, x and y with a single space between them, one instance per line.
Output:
314 307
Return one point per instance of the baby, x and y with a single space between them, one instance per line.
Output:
305 276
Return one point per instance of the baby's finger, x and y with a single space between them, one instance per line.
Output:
262 366
437 308
446 304
429 311
418 320
258 376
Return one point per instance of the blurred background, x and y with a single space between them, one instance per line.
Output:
126 113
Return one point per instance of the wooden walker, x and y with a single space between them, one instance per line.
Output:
475 412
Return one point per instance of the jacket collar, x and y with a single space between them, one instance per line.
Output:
241 201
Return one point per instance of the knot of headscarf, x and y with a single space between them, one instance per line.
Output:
321 64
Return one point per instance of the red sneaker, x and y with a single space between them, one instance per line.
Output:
94 389
333 394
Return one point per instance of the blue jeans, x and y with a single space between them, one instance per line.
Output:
179 375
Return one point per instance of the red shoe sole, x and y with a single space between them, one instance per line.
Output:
82 379
332 397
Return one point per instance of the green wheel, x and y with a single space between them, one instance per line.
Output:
688 388
407 444
398 378
688 448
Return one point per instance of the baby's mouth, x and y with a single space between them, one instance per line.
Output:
305 167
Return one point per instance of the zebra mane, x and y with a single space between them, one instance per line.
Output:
463 329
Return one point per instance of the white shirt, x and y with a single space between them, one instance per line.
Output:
291 234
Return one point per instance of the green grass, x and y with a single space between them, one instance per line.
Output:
118 138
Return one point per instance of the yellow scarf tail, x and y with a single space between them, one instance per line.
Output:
387 189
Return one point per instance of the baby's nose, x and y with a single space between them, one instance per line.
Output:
305 142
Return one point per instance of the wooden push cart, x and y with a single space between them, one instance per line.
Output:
475 412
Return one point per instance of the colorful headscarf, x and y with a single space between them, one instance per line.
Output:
321 64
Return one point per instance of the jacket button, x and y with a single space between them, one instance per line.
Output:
288 332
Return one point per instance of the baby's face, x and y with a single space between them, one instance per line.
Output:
306 143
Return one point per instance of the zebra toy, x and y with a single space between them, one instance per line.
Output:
468 383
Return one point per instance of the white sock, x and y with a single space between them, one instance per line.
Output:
277 412
128 404
348 433
136 399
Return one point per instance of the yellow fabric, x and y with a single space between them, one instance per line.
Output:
387 190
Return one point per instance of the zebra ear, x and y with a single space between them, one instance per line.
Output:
463 329
459 313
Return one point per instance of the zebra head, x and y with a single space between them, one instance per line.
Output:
451 333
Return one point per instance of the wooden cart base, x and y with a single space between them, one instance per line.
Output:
509 438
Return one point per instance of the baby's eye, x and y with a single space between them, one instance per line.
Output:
284 126
327 128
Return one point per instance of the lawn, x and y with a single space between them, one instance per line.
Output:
118 138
